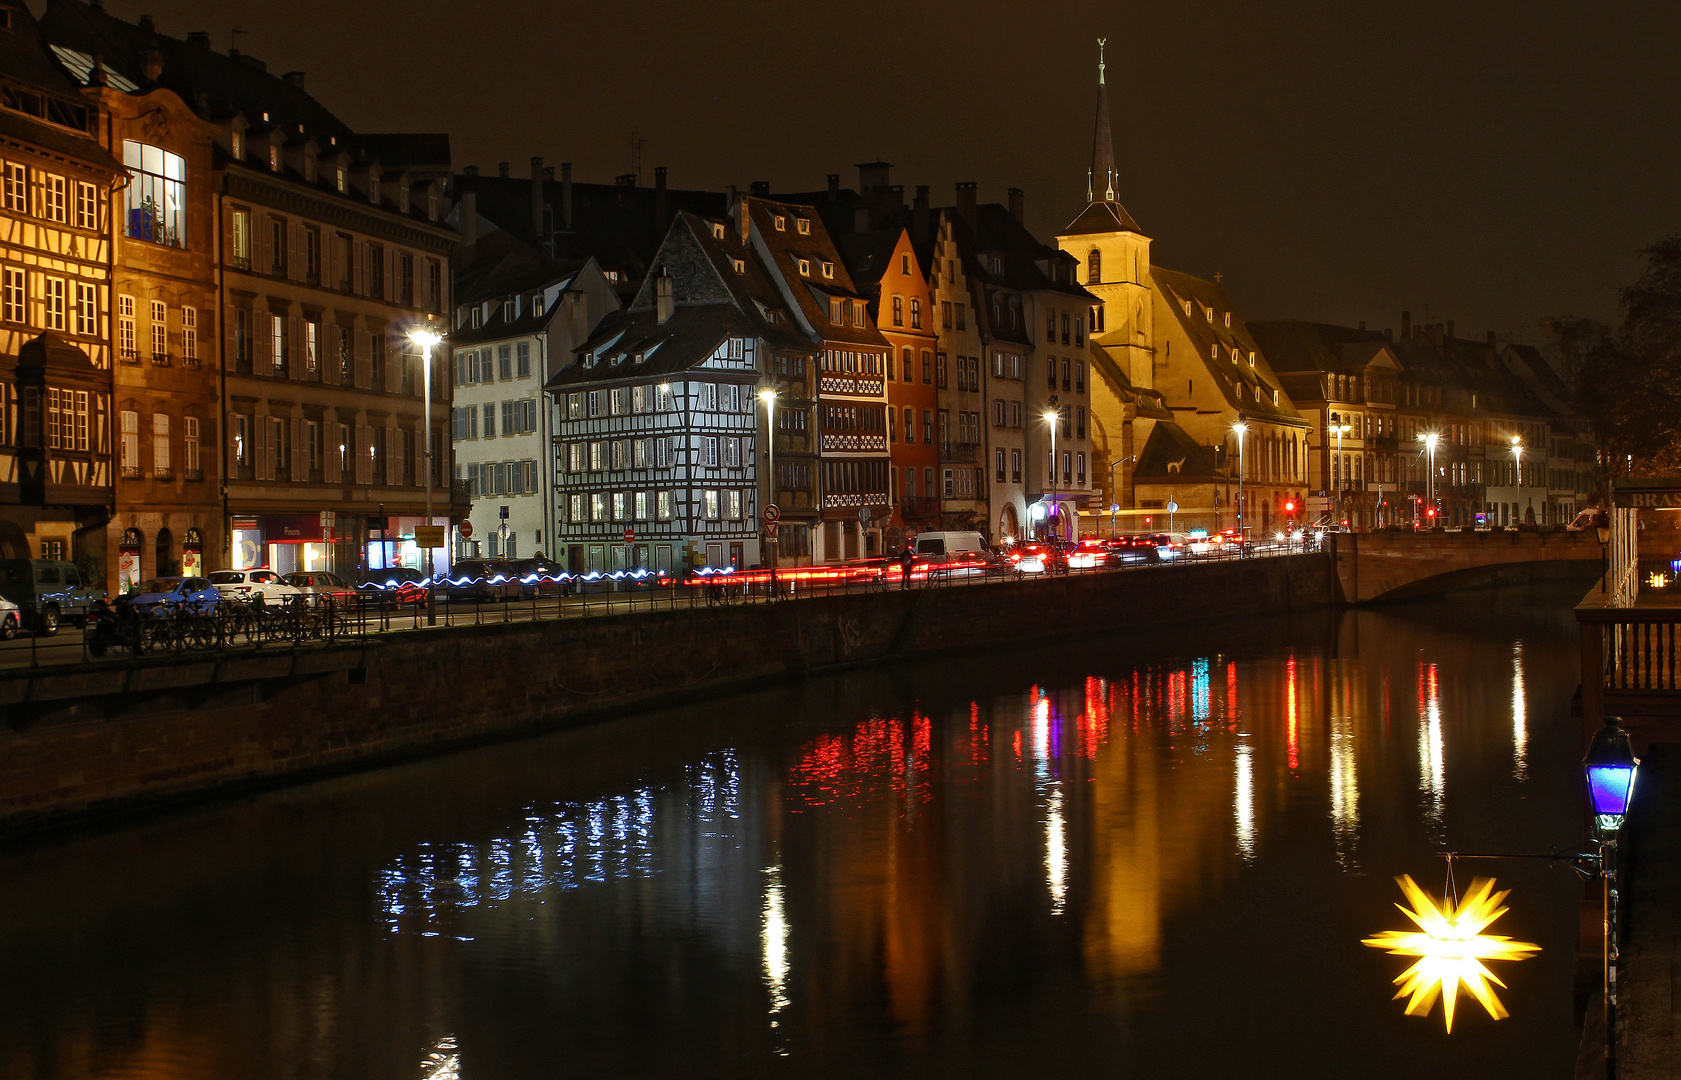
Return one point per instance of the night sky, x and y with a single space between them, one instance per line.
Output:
1491 164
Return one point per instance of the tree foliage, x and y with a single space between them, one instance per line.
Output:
1628 380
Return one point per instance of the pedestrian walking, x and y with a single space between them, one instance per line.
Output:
906 562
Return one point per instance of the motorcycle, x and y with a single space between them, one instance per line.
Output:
115 627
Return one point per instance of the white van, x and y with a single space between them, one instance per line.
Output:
948 543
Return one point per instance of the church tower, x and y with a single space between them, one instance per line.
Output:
1114 256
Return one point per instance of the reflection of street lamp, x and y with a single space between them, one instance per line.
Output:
768 396
1050 417
1240 429
1610 767
1429 438
426 338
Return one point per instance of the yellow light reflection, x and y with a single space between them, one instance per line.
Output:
773 941
1056 853
1520 717
1432 768
1244 801
1450 947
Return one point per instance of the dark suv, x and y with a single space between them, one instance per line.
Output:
48 592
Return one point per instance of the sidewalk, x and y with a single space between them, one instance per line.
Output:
1650 996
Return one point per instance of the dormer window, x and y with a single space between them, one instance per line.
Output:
740 266
828 269
1187 309
805 267
340 181
475 317
537 304
509 311
273 156
1210 314
717 231
239 146
403 198
309 168
1228 319
802 226
432 205
1251 359
857 313
781 223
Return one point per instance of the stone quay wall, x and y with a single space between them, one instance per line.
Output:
103 741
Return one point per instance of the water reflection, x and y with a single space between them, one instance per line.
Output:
1160 853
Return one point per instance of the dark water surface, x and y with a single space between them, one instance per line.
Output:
1149 856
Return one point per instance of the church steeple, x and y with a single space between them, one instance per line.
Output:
1100 179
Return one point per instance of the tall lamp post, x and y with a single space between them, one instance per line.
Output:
1240 429
1429 438
427 338
1115 501
1517 456
768 396
1341 467
1610 767
1050 421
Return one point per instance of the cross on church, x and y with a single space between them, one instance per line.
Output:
1217 277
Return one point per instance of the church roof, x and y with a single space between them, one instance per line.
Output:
1239 367
1102 217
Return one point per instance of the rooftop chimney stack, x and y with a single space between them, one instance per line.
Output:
153 65
199 38
834 186
1018 205
872 176
566 195
1491 341
1450 330
1406 325
294 78
537 196
919 214
502 169
759 187
664 305
966 201
659 196
470 170
744 219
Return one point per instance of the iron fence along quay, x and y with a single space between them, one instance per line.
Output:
251 626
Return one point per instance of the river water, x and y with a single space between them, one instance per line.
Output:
1149 855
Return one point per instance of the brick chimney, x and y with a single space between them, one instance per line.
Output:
760 188
659 196
664 305
566 195
294 78
834 186
537 196
872 176
1450 330
966 201
1018 205
1491 341
919 214
1406 325
470 170
744 220
502 169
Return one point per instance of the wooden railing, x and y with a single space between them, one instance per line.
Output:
1628 653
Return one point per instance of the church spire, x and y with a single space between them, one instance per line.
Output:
1100 180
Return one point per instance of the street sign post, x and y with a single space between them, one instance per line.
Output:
429 536
467 529
770 528
630 534
773 512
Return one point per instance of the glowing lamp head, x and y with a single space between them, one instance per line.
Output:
767 395
1610 767
1050 416
1240 429
425 338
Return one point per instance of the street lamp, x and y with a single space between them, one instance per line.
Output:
1114 501
1429 439
1050 417
768 396
1610 767
1240 429
1341 466
427 338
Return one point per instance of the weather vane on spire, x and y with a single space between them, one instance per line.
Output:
1100 43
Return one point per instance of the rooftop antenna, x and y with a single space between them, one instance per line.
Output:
635 159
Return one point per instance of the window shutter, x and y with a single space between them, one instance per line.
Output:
300 452
330 450
294 251
259 447
364 360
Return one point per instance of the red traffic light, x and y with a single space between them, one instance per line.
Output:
1431 511
1289 508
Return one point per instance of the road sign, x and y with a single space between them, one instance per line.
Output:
429 536
504 514
502 532
630 534
773 512
770 528
327 519
1172 507
466 528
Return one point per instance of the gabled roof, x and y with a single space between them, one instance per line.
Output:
523 283
1297 346
868 254
1238 381
1170 454
786 247
636 345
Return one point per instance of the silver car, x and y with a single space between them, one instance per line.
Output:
250 584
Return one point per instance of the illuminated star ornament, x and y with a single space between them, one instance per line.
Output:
1451 948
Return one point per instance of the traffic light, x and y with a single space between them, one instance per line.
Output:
1289 507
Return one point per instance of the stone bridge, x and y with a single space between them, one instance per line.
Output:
1396 565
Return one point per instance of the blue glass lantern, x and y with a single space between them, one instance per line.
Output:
1610 766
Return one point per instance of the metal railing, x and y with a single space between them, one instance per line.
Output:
384 608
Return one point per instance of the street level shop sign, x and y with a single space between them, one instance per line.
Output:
1637 493
429 536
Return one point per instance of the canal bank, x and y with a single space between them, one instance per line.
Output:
87 743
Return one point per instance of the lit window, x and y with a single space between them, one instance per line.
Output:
805 267
802 226
160 329
828 269
781 223
156 196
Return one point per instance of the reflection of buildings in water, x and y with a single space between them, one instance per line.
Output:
1432 770
443 1061
1345 705
1520 717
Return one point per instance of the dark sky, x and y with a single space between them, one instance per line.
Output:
1488 163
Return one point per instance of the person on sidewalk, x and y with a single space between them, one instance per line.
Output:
906 562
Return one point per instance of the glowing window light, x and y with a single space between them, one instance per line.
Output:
1451 947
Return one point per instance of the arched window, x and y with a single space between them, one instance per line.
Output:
166 559
1094 267
910 364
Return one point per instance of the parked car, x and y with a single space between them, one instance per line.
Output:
941 544
1039 558
11 620
484 581
47 593
390 587
250 584
319 585
167 595
539 576
1088 554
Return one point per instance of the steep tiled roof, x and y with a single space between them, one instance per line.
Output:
1102 217
809 291
1238 379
